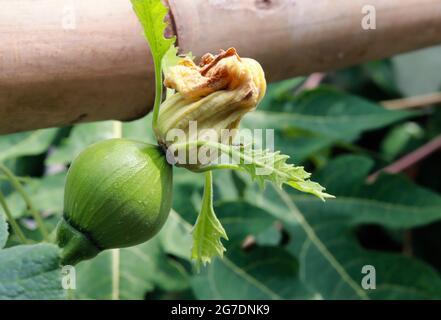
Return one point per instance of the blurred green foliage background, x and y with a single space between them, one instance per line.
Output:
339 131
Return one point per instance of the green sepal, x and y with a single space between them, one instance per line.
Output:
75 245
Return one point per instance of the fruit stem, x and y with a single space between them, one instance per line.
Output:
76 246
13 223
158 95
35 214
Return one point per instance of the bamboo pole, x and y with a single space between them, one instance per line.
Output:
414 102
70 61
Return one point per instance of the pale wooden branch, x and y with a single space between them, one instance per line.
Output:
64 62
313 81
414 102
410 159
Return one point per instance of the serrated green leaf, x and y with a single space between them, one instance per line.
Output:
3 231
151 14
264 165
242 219
170 59
327 112
30 272
175 237
208 230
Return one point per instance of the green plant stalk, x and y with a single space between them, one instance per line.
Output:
17 186
158 95
227 149
274 163
14 224
21 179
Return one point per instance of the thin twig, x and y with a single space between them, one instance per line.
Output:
410 159
413 102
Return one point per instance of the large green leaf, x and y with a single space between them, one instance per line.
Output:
381 72
140 130
139 269
46 194
264 165
330 256
187 190
318 119
26 143
278 93
375 79
415 71
151 14
391 201
30 272
3 231
81 136
242 219
397 276
327 112
301 144
261 273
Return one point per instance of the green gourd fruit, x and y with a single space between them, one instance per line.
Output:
118 194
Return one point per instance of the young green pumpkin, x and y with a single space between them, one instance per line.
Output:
118 194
